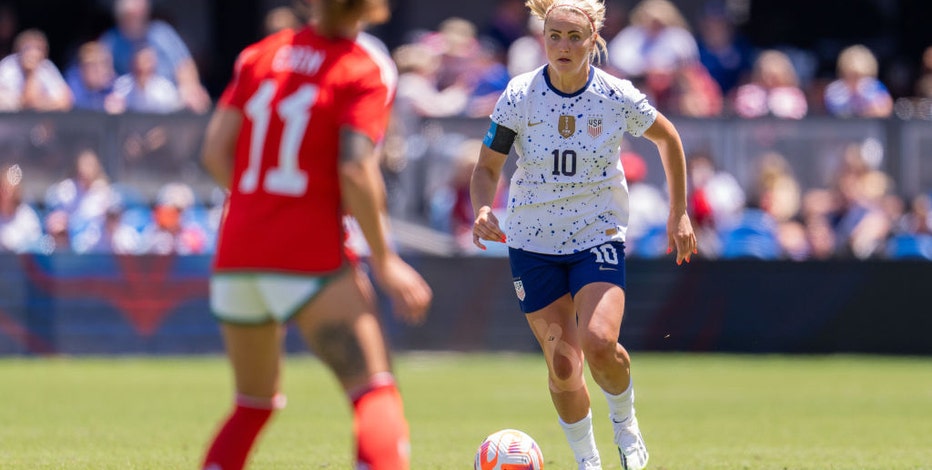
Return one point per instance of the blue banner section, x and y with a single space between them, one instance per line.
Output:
81 304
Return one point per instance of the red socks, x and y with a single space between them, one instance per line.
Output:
380 427
233 442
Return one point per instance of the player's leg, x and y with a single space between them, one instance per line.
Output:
253 346
254 354
341 326
601 307
597 279
554 327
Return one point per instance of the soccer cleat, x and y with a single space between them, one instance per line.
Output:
592 463
630 444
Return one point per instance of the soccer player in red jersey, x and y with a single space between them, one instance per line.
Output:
294 139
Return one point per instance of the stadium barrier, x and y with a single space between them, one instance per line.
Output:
142 152
102 305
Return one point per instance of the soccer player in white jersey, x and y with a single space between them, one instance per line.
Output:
568 213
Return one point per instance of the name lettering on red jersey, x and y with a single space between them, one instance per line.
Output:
299 59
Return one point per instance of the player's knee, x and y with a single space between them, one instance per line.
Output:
600 348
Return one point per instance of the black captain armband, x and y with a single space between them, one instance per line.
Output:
499 138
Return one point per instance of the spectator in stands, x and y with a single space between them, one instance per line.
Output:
460 215
143 89
780 197
134 30
20 229
507 24
818 210
527 52
716 200
84 196
171 232
725 53
692 93
419 93
458 46
91 79
650 50
857 92
57 238
647 208
863 224
920 104
29 80
111 234
918 219
773 91
491 78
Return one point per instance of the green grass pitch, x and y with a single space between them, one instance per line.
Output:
697 411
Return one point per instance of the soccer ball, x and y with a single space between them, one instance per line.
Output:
509 449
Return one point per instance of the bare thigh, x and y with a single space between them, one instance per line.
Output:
342 327
555 328
255 354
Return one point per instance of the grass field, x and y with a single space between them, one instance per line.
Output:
696 412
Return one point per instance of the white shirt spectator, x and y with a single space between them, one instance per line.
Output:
12 80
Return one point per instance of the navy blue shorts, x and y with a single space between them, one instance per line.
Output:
541 279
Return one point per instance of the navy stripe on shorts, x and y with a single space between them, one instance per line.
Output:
541 279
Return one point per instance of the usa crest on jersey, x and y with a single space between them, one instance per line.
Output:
595 126
519 289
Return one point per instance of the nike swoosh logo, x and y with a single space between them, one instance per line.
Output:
532 124
603 268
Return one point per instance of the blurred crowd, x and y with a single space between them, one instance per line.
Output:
140 64
701 68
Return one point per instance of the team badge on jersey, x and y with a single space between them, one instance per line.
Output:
519 289
567 125
595 126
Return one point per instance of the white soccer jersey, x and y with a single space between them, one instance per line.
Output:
569 192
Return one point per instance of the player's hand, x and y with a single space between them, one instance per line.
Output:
486 228
411 295
680 237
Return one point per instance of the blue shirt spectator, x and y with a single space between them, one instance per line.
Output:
91 79
135 30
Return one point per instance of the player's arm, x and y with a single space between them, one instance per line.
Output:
484 183
680 233
219 144
363 192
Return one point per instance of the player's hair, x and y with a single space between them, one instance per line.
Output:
371 11
593 10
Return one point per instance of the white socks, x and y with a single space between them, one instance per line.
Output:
581 439
621 406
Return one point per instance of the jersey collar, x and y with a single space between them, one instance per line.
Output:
568 95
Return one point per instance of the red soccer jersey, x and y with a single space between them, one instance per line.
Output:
295 91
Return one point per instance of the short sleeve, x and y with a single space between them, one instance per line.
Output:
366 107
638 112
234 95
507 112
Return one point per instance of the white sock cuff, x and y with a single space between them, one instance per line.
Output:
585 422
627 395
